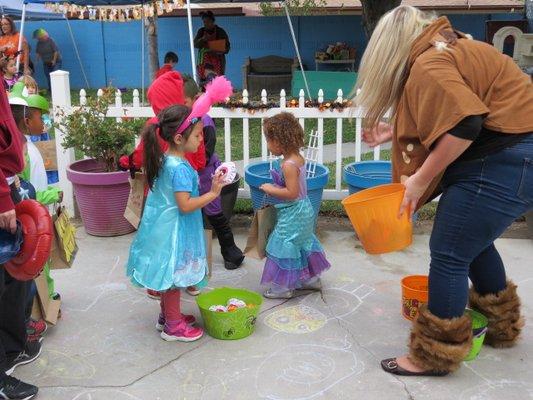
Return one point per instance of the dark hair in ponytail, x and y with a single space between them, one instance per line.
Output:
170 119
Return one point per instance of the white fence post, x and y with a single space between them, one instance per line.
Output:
227 139
301 105
358 133
320 129
264 149
118 101
338 148
83 97
136 104
136 101
245 133
61 102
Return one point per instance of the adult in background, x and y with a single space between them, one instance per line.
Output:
15 350
463 126
9 44
216 58
48 52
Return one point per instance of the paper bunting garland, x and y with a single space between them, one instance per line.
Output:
116 13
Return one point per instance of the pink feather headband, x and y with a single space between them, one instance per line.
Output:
219 89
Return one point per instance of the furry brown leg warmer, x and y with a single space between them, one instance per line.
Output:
439 344
503 311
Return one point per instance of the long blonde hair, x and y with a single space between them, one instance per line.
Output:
384 64
29 82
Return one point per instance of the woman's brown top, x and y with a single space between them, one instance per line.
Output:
450 78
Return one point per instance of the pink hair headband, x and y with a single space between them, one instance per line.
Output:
217 90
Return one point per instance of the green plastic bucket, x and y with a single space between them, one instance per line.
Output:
479 326
233 325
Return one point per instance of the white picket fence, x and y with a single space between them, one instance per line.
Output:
61 99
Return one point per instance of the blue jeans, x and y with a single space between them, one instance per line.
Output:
47 71
480 199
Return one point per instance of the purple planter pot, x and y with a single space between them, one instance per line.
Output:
102 198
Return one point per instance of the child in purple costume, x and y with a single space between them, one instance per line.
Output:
233 256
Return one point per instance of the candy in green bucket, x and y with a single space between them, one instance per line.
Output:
479 328
232 325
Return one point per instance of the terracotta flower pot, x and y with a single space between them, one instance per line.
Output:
101 198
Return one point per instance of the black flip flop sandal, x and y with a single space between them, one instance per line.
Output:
391 366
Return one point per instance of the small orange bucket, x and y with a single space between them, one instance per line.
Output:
374 215
414 294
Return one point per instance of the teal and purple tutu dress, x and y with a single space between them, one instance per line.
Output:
294 254
168 251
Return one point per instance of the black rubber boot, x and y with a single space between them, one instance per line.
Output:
232 255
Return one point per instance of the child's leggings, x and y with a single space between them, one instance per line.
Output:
170 305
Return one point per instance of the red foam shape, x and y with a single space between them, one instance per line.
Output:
37 230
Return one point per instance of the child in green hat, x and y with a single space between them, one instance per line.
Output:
28 111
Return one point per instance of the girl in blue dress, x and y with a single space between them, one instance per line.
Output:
295 258
168 253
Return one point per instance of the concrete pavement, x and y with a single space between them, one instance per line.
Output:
321 346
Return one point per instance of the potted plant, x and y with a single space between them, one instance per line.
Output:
101 190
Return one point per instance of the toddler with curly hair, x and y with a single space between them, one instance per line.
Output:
295 258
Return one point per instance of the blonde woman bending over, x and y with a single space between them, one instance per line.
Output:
462 123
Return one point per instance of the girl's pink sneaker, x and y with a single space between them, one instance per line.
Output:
180 331
161 321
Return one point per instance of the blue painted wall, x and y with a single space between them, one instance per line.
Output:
111 52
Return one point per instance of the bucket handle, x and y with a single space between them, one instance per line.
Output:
480 332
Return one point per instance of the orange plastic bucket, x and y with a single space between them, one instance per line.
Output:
414 294
374 215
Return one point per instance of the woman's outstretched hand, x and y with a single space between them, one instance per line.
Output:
380 134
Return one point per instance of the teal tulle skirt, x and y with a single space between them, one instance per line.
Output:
294 254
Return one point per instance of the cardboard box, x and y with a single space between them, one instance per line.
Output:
48 151
217 45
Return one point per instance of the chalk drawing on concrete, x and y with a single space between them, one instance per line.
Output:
499 389
105 394
221 275
298 319
56 364
102 290
199 384
118 348
339 302
305 371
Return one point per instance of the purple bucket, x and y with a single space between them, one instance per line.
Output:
102 198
